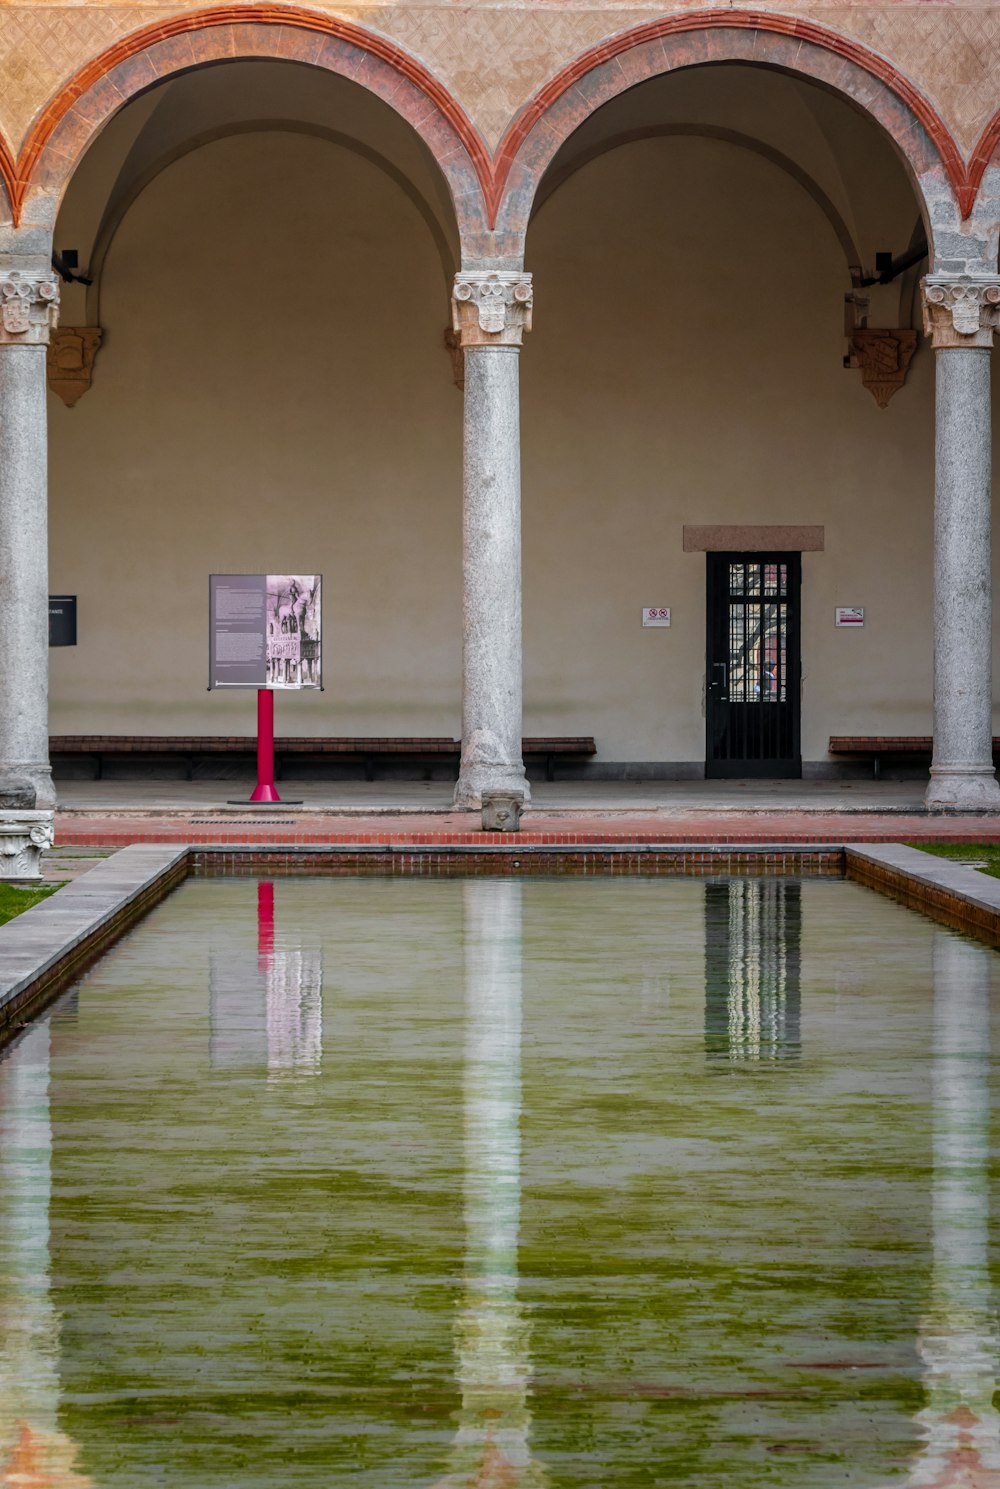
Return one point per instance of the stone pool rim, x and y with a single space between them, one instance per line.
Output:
48 946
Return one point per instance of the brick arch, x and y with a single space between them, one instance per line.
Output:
699 38
36 180
985 156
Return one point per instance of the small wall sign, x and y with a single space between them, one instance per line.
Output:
656 615
62 620
850 615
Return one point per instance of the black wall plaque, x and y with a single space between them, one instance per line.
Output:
62 620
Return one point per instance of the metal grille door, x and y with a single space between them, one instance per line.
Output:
752 692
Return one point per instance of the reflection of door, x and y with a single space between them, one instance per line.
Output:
752 692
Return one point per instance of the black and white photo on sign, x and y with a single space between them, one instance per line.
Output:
293 631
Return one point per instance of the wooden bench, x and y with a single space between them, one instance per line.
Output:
877 747
558 747
366 751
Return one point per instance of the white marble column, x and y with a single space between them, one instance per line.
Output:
960 314
28 310
491 312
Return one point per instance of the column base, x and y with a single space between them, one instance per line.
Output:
963 788
40 776
475 777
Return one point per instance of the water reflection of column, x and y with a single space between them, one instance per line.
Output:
958 1337
492 1337
752 969
32 1449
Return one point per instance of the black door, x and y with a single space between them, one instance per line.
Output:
752 691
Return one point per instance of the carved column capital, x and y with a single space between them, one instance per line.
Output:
960 311
491 308
29 307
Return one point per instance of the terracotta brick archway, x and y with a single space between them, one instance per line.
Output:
37 179
984 163
694 39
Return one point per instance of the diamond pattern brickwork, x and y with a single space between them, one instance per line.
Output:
41 46
951 53
494 57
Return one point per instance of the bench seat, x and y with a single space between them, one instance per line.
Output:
367 750
877 747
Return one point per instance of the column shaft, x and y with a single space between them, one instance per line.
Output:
962 773
491 560
24 570
491 312
960 315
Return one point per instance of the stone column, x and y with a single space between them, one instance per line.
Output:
491 311
28 310
960 314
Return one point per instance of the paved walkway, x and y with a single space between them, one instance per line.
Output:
105 814
401 798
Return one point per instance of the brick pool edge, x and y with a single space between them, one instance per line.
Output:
48 946
957 896
41 953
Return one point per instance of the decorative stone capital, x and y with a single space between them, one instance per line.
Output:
70 360
961 311
24 837
29 308
884 357
491 308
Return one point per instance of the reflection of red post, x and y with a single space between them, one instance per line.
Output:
266 790
265 924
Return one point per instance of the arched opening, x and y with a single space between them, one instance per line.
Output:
270 248
709 247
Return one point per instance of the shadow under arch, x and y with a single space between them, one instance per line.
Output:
121 204
703 38
38 178
552 182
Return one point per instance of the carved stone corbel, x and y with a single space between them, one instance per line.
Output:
70 362
960 311
453 346
884 357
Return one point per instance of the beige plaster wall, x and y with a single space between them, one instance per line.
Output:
273 394
686 367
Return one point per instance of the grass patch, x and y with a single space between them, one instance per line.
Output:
985 856
13 901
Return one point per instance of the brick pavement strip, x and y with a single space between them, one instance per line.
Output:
108 830
48 945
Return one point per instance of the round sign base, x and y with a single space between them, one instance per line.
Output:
265 806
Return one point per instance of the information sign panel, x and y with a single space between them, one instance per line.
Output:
656 615
62 620
265 631
850 615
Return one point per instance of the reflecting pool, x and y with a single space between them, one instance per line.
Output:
497 1184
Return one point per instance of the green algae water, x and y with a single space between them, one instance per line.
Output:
490 1184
